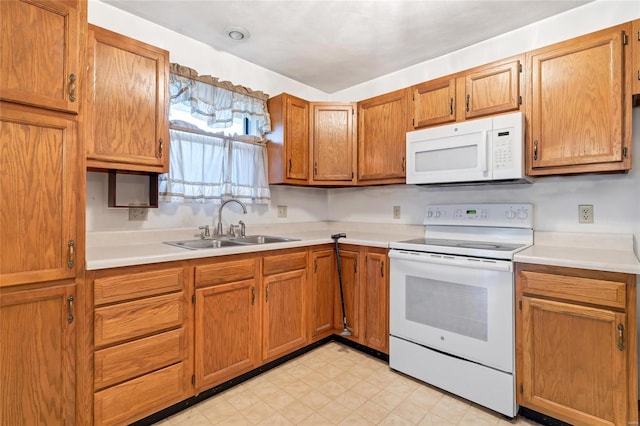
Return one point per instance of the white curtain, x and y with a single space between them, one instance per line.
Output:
248 173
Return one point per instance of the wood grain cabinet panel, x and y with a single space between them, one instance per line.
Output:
226 271
127 103
375 318
635 50
278 263
288 147
119 288
322 291
492 89
226 331
434 102
38 157
382 127
332 141
576 344
350 266
37 356
580 105
42 68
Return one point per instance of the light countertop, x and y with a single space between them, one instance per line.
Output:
126 248
602 252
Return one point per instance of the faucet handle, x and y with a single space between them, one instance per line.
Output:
242 229
232 229
206 233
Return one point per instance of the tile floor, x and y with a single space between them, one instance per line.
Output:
336 385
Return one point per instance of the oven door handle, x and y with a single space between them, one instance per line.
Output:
450 260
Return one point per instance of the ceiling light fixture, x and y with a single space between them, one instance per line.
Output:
237 33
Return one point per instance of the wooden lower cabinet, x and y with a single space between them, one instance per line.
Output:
323 280
142 358
576 355
284 310
227 321
375 300
37 355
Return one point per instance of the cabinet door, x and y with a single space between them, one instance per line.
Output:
332 143
579 112
38 158
434 102
226 327
296 130
283 326
322 291
573 367
37 356
127 103
376 302
382 127
635 49
492 90
349 263
39 53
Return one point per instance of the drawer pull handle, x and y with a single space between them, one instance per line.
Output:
70 307
620 337
72 87
266 293
253 296
451 106
71 254
468 96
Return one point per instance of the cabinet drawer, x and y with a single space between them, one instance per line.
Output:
580 289
284 262
225 272
137 285
129 320
140 397
123 362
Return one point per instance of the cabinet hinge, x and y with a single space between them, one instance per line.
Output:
520 100
193 379
625 152
521 388
625 40
193 299
519 67
520 304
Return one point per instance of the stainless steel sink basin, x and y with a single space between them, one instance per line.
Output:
228 242
262 239
203 244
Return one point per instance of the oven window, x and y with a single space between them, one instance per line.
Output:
458 308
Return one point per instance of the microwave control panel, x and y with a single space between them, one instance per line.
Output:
503 149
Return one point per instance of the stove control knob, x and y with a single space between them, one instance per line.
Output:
522 214
429 213
511 214
437 214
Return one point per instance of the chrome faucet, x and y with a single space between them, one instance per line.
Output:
219 230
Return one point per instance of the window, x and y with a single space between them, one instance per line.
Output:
217 150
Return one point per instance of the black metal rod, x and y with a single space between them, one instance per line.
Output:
335 238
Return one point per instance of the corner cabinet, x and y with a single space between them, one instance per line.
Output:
127 103
576 354
288 146
42 68
382 128
350 266
333 143
580 105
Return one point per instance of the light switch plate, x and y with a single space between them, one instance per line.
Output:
396 212
282 212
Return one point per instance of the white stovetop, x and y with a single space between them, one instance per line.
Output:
605 252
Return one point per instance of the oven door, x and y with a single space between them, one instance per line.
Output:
454 304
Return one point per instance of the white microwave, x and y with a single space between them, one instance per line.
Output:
486 150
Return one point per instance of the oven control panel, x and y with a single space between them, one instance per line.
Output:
506 215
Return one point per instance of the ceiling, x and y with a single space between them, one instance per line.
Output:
333 45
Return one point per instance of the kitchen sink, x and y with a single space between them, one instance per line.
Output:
262 239
228 242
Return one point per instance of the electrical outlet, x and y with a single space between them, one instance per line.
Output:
138 213
396 212
282 212
585 213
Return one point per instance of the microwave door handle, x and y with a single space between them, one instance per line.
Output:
483 152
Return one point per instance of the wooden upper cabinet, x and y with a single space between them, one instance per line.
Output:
492 89
635 42
580 114
434 102
382 127
485 90
37 356
127 103
41 68
288 147
38 183
332 141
